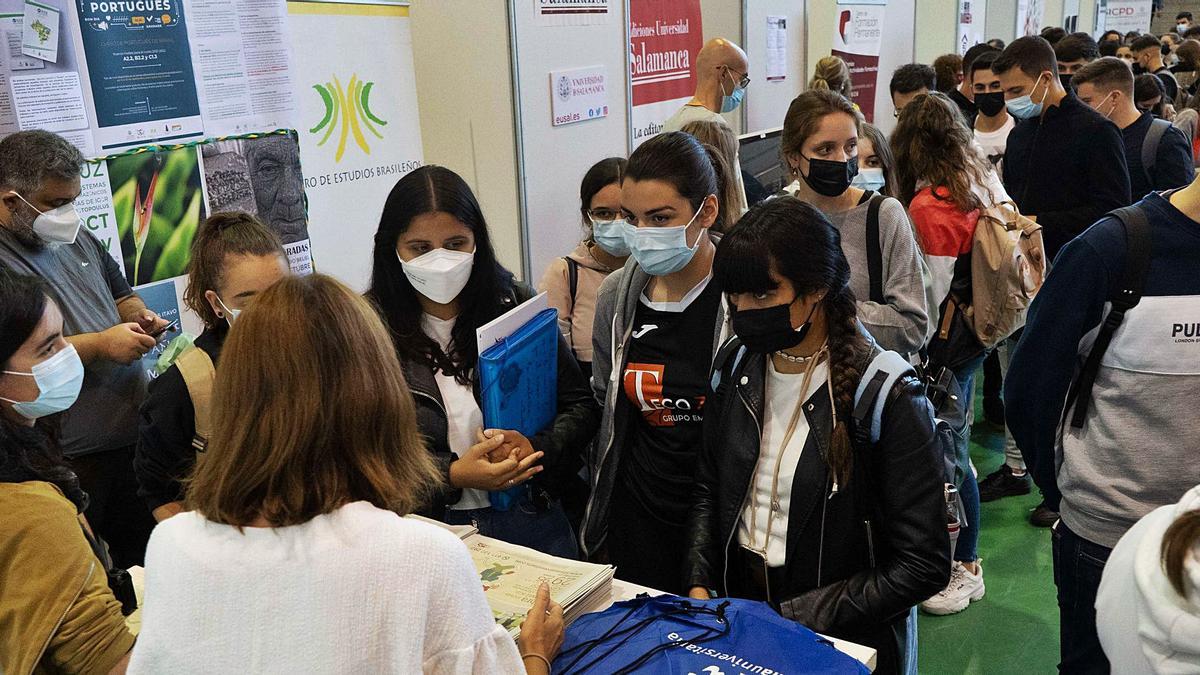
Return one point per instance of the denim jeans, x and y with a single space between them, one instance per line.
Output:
1078 565
967 548
524 524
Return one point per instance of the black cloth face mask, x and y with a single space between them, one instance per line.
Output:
770 329
1066 81
990 104
830 178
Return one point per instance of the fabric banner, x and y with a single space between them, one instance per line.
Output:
971 17
358 123
665 37
856 40
1129 15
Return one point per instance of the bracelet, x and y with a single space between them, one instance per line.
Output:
538 656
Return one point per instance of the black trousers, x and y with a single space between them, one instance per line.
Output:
645 549
1078 566
115 511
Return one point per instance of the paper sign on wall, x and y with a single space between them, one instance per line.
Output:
571 12
776 48
40 38
578 95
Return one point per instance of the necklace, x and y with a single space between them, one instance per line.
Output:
797 359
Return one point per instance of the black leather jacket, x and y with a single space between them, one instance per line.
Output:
563 441
858 558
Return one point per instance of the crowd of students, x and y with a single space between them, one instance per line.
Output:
744 388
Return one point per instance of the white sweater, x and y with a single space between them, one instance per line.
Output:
359 590
1144 625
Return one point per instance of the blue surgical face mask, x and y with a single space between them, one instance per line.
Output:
869 179
663 250
58 378
730 101
611 236
1023 107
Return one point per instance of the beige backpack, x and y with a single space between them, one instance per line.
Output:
1008 267
198 374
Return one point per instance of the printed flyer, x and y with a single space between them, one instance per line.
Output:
139 66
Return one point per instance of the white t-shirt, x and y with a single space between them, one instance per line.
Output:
783 395
463 415
357 590
994 143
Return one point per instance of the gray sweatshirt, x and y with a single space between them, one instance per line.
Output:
901 323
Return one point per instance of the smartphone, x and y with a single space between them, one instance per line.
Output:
172 327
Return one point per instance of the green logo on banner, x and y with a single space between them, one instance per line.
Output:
348 109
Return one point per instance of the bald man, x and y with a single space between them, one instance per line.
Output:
721 80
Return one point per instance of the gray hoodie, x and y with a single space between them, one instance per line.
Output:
616 304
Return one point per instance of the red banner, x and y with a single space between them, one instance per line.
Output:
665 36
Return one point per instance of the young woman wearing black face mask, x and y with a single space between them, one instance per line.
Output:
820 144
842 536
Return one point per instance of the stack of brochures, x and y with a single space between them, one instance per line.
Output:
510 576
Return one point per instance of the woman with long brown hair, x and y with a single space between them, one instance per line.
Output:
820 144
947 183
292 555
840 532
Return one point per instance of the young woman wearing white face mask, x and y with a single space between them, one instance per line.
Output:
658 323
435 280
235 257
68 617
571 282
876 167
821 146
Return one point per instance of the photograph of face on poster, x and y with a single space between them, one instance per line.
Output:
260 176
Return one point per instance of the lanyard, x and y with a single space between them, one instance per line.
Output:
774 506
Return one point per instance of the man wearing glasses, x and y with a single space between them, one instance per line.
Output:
721 80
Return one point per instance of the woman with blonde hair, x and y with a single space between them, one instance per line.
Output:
292 555
833 74
947 184
723 140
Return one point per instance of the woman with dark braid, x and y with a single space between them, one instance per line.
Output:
838 527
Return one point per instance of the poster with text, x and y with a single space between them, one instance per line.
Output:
856 39
971 21
262 176
158 203
571 12
139 66
38 94
1128 15
243 65
665 36
358 123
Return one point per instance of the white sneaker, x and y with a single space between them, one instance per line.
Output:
963 589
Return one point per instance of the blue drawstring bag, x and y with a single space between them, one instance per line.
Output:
670 634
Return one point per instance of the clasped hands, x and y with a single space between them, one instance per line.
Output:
500 459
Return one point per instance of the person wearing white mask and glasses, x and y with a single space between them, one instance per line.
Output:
235 257
107 323
60 615
435 280
659 321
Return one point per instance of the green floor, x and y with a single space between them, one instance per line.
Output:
1014 628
